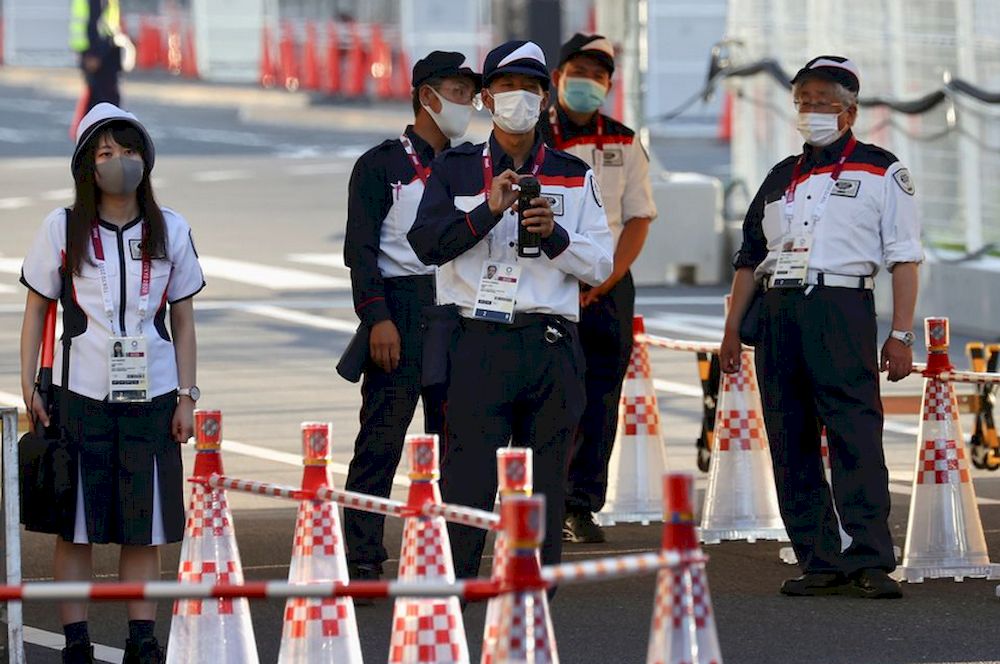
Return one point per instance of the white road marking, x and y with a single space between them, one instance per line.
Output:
11 265
334 260
671 387
691 325
679 300
6 290
11 400
10 135
14 203
59 195
266 276
299 318
318 169
53 641
221 176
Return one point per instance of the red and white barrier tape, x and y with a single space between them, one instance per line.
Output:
677 344
252 486
603 569
467 516
360 501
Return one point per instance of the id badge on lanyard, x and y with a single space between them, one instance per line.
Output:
792 269
497 292
127 356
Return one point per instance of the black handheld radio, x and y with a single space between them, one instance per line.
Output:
529 244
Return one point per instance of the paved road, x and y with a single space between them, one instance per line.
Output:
265 193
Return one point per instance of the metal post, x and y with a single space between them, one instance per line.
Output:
12 532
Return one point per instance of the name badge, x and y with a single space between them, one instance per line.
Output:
497 292
128 370
793 263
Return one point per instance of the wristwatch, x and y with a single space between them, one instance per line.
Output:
906 337
194 393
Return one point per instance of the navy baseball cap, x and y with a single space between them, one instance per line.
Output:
832 68
595 46
443 64
516 57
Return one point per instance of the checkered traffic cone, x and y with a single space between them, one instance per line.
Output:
213 631
787 553
638 459
514 473
318 630
426 629
525 634
741 502
683 628
944 534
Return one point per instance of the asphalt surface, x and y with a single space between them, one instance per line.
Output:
263 184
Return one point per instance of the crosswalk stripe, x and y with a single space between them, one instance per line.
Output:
267 276
324 260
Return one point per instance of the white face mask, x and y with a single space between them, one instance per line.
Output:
517 111
453 119
819 128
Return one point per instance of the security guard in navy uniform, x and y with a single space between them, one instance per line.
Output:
517 366
819 228
391 288
575 124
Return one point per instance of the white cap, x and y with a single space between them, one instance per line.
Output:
101 116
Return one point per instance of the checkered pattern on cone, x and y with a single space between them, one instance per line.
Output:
209 513
943 462
423 556
743 380
491 631
317 530
207 572
638 363
525 630
314 617
939 401
683 626
739 430
639 415
428 630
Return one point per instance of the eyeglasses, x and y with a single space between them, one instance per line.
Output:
817 106
459 94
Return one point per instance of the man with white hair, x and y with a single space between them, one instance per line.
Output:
818 230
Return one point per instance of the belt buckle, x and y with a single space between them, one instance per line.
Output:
553 334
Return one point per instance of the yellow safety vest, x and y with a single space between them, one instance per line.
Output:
107 24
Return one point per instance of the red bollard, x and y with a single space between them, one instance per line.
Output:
310 59
268 71
288 58
331 83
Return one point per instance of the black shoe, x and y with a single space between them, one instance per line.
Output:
875 584
580 527
145 651
815 584
364 572
78 653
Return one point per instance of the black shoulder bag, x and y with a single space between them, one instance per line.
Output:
45 457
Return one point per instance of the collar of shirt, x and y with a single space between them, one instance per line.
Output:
816 156
423 149
502 161
571 130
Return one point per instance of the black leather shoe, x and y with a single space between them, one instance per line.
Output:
816 584
875 584
78 653
145 651
364 572
580 527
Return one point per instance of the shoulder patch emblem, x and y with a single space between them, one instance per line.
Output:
903 179
595 189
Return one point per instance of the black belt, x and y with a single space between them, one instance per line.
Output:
556 327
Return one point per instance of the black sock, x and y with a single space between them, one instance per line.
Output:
140 630
76 633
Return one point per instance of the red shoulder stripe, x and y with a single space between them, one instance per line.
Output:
561 180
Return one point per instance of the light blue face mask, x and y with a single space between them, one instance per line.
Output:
582 95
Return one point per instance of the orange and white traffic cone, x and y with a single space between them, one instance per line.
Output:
289 57
787 553
310 58
741 502
268 69
426 629
525 634
318 630
638 459
944 533
331 82
210 630
683 628
514 478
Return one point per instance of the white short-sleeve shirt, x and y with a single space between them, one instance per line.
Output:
174 277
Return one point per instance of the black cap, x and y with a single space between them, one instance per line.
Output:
443 64
516 57
595 46
832 68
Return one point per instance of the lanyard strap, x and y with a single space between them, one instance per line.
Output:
488 166
824 198
411 153
147 270
557 130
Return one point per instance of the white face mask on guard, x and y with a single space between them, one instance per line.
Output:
819 129
453 119
517 111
